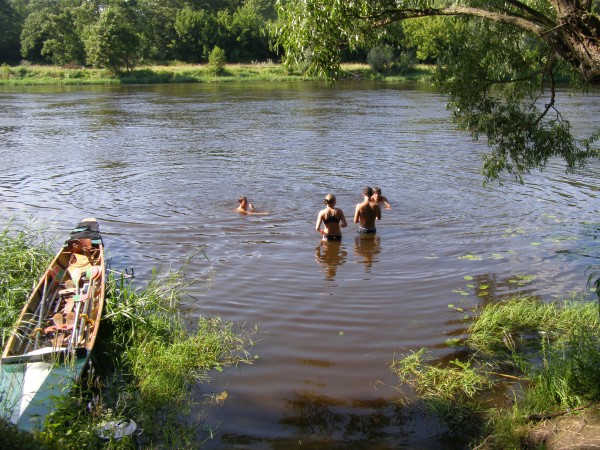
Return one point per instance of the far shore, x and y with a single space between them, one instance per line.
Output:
29 74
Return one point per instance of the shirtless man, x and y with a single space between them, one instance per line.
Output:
367 212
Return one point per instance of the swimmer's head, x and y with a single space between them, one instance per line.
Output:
329 199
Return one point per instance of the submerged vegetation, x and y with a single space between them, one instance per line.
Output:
547 355
147 362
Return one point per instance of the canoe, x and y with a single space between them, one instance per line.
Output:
52 340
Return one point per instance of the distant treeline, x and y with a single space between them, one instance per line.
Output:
118 34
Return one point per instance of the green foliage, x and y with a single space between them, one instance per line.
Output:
553 349
10 24
381 58
53 31
432 36
24 257
493 73
248 28
513 325
449 391
148 358
217 60
159 360
113 42
197 33
14 438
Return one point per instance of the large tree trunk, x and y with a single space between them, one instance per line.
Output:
576 38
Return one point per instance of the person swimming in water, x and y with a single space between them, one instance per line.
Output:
246 207
378 198
332 219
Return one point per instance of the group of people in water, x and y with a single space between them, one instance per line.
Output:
331 219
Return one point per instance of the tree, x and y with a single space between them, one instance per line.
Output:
52 30
247 28
197 33
10 24
217 60
499 70
157 28
113 42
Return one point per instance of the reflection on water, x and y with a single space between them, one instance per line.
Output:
367 246
160 168
331 255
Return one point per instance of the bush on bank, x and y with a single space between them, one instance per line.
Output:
148 358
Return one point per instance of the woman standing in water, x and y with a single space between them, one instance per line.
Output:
333 220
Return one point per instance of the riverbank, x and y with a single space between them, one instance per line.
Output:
187 73
149 359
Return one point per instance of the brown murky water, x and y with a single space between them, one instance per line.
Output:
161 168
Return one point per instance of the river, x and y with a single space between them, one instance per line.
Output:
161 168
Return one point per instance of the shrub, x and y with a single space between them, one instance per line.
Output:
216 60
381 58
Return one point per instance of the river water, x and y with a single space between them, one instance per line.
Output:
161 168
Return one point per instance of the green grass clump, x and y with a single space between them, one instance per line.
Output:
24 256
552 351
449 391
520 323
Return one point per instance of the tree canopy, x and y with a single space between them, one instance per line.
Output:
499 62
119 33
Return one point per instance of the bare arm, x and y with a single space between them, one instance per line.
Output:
357 213
319 221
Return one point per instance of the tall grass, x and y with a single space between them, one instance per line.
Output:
155 363
24 256
546 354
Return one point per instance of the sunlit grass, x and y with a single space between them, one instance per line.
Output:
552 351
24 256
187 73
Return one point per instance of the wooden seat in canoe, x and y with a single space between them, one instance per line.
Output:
60 324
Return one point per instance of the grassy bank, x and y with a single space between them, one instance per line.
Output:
184 73
523 361
149 358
